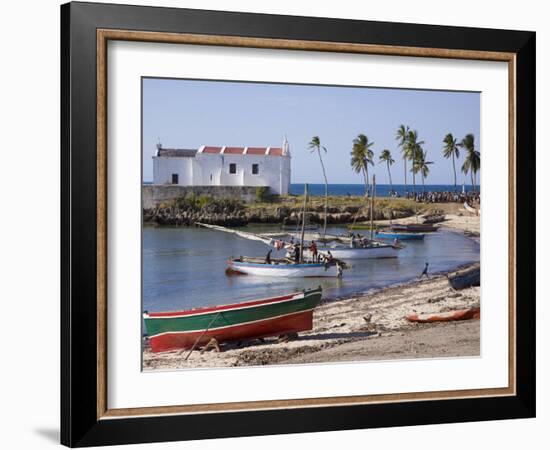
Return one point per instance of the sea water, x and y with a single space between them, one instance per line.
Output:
184 268
382 190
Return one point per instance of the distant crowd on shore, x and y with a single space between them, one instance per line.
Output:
441 197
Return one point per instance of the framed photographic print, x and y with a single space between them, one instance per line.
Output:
277 224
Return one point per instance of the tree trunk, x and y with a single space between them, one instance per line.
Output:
405 166
454 168
389 173
367 172
366 183
472 177
414 173
326 193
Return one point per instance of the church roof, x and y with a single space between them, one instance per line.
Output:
190 153
176 152
268 151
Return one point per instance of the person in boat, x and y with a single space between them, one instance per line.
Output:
297 253
314 252
329 256
352 240
268 256
425 271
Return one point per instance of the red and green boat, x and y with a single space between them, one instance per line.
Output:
274 316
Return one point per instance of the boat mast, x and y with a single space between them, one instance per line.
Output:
372 207
303 225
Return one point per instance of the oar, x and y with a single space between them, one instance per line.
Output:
200 337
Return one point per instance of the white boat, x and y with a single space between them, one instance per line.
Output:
471 210
374 250
281 268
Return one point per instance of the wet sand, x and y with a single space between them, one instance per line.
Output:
363 327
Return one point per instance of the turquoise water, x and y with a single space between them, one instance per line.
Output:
185 267
382 190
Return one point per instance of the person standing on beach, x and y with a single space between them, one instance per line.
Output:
425 271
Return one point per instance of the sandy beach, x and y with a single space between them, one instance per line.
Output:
372 326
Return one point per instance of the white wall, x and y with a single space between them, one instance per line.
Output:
29 229
164 167
273 171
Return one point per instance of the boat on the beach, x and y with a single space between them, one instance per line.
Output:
465 278
433 218
282 267
447 316
402 236
414 227
274 316
471 209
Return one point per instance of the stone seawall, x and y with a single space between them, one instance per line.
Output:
155 195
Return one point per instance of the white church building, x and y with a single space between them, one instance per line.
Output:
224 166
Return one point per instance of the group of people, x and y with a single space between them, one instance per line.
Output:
296 253
444 197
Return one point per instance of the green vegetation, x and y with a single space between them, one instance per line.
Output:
262 194
402 136
386 157
451 151
193 202
361 157
472 162
422 166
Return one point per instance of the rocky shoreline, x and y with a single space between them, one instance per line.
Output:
240 214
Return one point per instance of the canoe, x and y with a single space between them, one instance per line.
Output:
274 316
281 268
402 236
465 278
449 316
414 227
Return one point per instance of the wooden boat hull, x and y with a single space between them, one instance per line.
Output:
465 278
249 320
401 236
449 316
283 270
433 218
415 227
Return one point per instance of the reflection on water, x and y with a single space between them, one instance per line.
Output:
185 267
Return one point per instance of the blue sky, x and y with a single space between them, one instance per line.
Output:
189 113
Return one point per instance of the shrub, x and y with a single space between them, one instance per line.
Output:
261 193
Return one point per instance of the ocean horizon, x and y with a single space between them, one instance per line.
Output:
382 190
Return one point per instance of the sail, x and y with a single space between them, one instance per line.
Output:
267 240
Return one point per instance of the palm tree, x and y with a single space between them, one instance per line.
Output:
402 136
422 166
386 157
450 150
413 151
361 157
472 163
315 145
